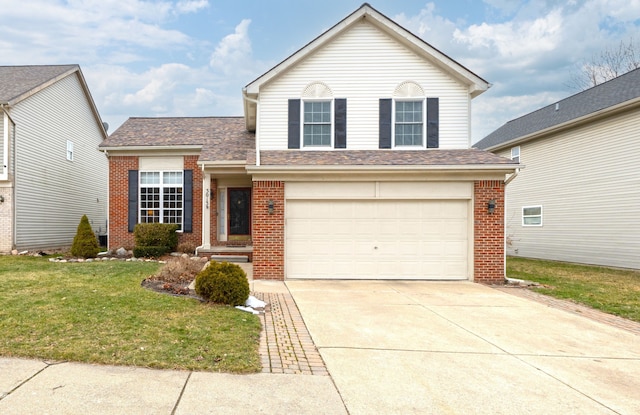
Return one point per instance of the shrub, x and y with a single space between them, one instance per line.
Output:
179 270
85 243
186 248
224 283
154 239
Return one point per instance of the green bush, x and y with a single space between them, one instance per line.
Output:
149 251
156 234
85 243
223 283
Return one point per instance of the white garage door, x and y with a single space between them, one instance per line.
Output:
366 239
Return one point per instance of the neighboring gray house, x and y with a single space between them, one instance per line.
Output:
577 198
51 172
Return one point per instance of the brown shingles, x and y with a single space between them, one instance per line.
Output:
381 158
221 138
18 81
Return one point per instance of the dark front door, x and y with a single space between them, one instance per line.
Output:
239 212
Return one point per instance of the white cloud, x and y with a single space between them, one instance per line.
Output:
191 6
233 53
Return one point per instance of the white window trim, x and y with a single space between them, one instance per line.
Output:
161 185
532 216
518 156
424 123
69 150
332 122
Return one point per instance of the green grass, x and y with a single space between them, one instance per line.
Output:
613 291
98 312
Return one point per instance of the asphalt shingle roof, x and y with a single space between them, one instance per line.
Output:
616 91
18 81
221 138
381 158
226 139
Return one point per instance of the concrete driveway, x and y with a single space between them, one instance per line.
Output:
463 348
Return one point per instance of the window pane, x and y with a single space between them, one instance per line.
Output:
408 123
532 220
532 211
173 177
149 177
317 123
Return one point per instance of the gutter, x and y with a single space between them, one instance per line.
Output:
513 176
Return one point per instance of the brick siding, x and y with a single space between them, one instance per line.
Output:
268 230
488 230
6 220
119 235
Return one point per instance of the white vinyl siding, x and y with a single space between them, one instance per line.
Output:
364 65
52 194
588 183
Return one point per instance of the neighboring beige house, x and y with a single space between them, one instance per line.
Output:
578 197
51 172
352 160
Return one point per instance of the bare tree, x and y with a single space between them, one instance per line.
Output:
606 65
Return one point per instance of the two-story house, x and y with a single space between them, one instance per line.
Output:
51 171
352 160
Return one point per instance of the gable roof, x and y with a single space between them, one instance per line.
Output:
476 84
218 139
616 94
20 82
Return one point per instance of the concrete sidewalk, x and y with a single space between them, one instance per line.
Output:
286 387
35 387
463 348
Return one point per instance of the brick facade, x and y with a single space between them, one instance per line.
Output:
119 167
488 231
119 235
268 230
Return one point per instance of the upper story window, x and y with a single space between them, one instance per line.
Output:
409 124
515 154
161 197
317 120
69 150
409 120
317 124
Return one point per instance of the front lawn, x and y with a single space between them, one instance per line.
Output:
613 291
98 313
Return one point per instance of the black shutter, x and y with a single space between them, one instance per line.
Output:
294 123
433 123
133 199
385 123
340 140
187 194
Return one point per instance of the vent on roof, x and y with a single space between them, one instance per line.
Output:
557 106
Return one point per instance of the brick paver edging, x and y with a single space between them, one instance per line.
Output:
285 343
574 308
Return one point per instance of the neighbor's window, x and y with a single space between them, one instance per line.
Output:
317 124
161 197
409 123
532 216
69 150
515 154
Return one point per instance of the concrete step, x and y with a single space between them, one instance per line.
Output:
230 258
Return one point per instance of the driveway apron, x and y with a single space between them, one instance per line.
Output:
463 348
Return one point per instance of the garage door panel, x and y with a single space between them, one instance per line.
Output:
406 239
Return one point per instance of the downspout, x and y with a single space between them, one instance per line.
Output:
506 182
203 212
255 101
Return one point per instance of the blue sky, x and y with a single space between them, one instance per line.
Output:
192 57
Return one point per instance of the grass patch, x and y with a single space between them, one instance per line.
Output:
613 291
98 313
